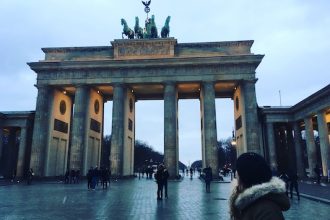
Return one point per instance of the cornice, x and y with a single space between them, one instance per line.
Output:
75 49
218 44
127 64
315 97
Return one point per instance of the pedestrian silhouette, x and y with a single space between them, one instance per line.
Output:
159 176
208 178
66 177
294 184
30 175
286 179
89 178
317 170
165 176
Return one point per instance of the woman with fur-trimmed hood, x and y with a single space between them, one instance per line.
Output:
257 195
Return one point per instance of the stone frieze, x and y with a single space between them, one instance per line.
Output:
142 49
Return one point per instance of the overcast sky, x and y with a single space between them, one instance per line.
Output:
293 34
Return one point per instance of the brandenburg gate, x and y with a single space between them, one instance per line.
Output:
74 83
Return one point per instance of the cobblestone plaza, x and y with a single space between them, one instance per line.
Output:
131 199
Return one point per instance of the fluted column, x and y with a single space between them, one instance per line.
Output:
1 139
40 131
271 146
210 127
251 117
324 141
10 153
21 153
292 163
311 148
297 145
79 126
171 155
117 136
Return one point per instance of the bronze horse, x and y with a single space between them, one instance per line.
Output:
127 31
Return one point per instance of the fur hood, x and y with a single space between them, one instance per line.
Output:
250 195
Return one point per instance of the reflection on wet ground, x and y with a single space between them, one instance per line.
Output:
131 199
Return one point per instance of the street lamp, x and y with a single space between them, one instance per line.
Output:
233 139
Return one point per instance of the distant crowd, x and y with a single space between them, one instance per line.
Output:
258 194
72 177
96 176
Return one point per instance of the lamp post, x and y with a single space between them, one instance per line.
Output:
233 163
233 139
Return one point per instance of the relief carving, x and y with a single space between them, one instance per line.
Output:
143 49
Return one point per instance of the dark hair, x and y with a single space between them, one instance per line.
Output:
252 169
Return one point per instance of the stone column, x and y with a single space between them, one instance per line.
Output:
297 145
10 153
324 141
117 136
171 155
78 133
271 146
1 141
251 117
292 163
21 153
311 148
210 127
40 131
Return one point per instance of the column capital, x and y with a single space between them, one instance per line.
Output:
169 83
322 111
307 118
208 83
250 80
80 85
119 84
40 86
295 124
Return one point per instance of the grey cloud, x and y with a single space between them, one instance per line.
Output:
294 36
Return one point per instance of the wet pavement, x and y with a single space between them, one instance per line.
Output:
315 191
131 199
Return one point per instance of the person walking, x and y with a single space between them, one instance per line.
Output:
286 179
258 195
77 176
89 178
317 170
294 184
66 177
159 176
208 178
108 174
94 177
165 176
104 179
72 176
30 175
97 175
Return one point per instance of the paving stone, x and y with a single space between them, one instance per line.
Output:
131 199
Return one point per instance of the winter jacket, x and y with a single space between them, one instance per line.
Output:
159 176
263 201
208 174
